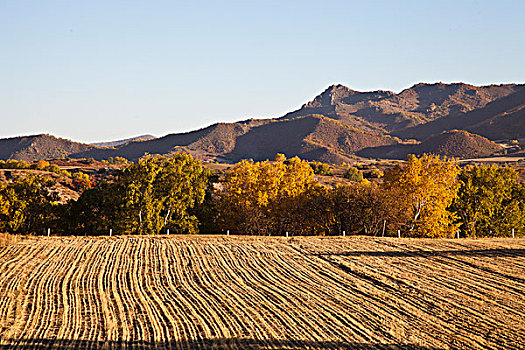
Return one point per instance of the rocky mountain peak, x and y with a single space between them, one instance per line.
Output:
333 95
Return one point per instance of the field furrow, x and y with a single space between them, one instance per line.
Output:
217 292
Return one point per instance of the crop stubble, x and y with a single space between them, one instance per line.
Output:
262 293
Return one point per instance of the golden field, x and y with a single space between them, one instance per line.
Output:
226 292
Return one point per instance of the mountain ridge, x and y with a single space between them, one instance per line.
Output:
335 126
121 142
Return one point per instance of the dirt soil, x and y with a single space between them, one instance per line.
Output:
218 292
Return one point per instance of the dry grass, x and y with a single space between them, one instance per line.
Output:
7 239
262 293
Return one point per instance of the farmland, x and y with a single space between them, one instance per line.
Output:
190 292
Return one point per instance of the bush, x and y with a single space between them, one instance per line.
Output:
353 174
40 165
322 168
54 169
376 174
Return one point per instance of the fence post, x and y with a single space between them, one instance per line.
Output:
457 234
384 227
344 233
286 233
168 231
512 233
110 232
48 232
398 233
227 232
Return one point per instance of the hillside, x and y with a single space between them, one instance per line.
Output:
309 137
502 119
37 147
455 143
386 111
206 143
124 141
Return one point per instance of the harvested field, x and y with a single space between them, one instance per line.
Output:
202 292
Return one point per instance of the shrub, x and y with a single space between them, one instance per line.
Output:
353 174
322 168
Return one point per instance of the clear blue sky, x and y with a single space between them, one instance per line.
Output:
101 70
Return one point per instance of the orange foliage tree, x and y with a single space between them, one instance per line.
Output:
428 185
255 196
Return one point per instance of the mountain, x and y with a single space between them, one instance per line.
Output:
501 119
38 147
336 126
454 143
123 142
309 137
385 111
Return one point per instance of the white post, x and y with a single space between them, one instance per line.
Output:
286 233
110 232
227 232
166 217
512 233
398 233
168 232
344 233
48 232
457 234
384 227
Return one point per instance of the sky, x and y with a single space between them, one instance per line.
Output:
105 70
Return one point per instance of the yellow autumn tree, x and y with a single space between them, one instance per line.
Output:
428 185
254 195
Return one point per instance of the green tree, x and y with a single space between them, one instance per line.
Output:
160 192
96 211
146 197
27 205
353 174
322 168
490 201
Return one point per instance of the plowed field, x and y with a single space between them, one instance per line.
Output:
204 292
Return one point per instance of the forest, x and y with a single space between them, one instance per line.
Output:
426 196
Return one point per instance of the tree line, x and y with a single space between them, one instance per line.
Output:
426 196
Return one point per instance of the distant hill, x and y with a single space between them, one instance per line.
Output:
37 147
501 119
123 142
309 137
455 143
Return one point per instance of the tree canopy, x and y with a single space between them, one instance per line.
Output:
428 185
490 201
255 195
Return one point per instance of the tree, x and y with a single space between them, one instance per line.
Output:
490 201
308 213
353 174
27 205
40 165
81 181
255 196
96 211
428 185
321 168
161 191
146 197
365 208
